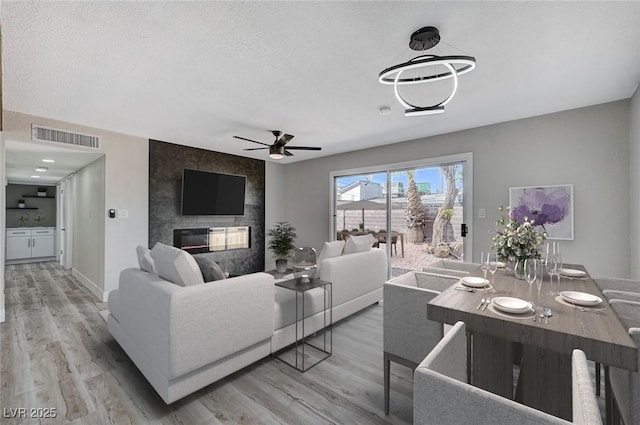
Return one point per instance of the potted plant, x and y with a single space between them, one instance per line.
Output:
282 236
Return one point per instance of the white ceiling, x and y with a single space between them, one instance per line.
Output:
198 73
23 159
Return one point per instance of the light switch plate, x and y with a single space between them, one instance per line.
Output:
122 213
482 213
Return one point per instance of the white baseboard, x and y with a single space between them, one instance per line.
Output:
88 283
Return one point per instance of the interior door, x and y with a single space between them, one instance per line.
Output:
66 222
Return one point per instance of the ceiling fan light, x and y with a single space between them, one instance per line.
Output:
276 152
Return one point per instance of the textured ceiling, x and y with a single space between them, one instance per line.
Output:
197 73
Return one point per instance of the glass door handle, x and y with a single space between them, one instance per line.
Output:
463 230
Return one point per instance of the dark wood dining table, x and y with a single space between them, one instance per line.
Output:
543 350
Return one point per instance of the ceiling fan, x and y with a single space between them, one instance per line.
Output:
277 150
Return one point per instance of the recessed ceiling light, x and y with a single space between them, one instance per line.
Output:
35 177
48 160
42 169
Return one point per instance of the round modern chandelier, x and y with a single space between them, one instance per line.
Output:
423 67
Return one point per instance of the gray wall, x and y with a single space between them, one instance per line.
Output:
587 147
166 162
46 206
634 155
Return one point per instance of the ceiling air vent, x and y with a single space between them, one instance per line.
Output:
60 136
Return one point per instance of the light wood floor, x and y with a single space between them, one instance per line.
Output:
56 352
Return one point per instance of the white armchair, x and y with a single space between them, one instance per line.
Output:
441 394
451 267
408 334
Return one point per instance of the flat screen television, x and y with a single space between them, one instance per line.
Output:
207 193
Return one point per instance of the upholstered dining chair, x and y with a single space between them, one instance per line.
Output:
617 284
441 394
616 288
407 333
624 384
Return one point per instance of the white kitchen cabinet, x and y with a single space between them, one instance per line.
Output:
18 244
30 242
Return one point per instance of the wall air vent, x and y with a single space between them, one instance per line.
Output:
60 136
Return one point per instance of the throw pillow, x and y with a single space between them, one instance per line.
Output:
176 265
329 250
359 243
145 262
211 271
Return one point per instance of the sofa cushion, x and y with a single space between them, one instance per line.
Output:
329 250
145 261
211 271
176 265
359 243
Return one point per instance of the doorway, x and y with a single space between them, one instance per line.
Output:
415 210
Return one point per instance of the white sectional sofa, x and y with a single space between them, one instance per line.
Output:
183 338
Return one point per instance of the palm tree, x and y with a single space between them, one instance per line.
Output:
441 222
416 213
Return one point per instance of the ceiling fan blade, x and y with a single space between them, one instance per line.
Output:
249 140
304 148
254 149
287 153
284 140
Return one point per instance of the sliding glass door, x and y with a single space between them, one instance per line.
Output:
416 211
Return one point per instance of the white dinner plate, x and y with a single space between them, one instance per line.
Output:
572 273
511 305
474 282
580 298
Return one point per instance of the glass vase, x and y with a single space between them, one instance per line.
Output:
518 269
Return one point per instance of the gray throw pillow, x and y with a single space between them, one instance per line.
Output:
210 269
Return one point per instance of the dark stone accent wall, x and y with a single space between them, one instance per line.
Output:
166 162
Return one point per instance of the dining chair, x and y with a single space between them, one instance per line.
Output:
616 288
441 394
610 294
382 238
407 333
625 384
617 284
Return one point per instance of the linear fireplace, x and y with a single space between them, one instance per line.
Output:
208 239
194 241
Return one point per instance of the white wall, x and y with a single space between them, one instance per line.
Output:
88 226
634 155
274 205
126 185
2 225
587 147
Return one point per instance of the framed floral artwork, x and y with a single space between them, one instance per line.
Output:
550 208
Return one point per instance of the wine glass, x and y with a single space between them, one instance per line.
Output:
484 263
538 280
530 274
556 267
493 267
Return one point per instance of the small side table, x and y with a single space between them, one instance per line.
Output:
318 353
277 275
